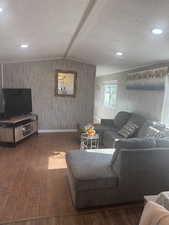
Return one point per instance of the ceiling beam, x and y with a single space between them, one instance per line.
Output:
82 21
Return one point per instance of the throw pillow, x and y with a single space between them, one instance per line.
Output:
154 132
154 214
134 143
128 129
158 125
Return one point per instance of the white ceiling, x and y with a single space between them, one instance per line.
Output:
72 28
46 25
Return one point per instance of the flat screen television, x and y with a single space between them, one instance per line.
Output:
14 102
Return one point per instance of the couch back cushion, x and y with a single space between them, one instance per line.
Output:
121 119
143 130
137 119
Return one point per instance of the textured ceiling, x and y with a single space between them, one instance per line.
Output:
54 28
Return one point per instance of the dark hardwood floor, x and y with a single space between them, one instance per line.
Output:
128 216
33 183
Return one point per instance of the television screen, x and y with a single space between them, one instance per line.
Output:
15 102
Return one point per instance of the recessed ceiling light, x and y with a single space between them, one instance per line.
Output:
119 53
24 46
1 10
157 31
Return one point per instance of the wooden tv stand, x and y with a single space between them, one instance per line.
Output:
17 128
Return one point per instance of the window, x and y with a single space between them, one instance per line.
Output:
110 94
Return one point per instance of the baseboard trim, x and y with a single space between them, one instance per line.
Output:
57 131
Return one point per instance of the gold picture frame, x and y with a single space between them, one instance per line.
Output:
65 83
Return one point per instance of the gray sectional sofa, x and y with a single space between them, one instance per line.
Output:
134 167
109 128
109 176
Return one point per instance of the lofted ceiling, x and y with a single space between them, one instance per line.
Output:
91 31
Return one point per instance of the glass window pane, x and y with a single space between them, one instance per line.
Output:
110 94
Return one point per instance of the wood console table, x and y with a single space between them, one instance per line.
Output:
18 128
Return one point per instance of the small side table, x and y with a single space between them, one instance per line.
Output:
89 142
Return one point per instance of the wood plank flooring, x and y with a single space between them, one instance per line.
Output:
33 183
128 216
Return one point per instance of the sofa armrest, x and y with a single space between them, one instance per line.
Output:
107 122
135 143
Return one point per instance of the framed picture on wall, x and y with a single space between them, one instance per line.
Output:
65 83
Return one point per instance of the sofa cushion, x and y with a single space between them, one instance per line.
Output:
143 130
100 129
135 143
128 129
91 169
162 142
137 119
121 118
109 138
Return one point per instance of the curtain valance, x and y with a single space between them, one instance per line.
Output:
148 79
146 74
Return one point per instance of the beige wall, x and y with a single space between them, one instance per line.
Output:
54 112
147 103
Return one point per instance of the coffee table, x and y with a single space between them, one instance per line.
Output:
89 142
